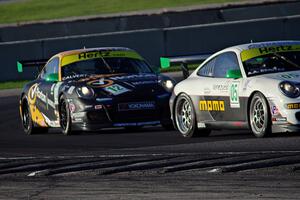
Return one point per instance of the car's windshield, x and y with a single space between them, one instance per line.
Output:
112 65
272 63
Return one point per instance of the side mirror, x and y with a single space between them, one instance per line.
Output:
52 77
233 73
156 69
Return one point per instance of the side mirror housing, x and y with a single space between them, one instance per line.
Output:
155 69
234 73
52 77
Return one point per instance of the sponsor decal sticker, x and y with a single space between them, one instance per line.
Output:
135 76
71 90
234 95
98 107
220 87
201 125
279 120
211 105
289 76
99 54
144 82
274 110
149 105
264 50
293 106
116 89
72 107
100 83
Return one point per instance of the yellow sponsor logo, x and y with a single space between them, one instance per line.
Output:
211 105
252 53
293 106
99 54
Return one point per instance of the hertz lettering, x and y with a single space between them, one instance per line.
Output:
91 55
274 49
211 105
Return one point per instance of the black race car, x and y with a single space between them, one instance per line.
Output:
90 89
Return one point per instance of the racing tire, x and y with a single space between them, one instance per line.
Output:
259 116
185 118
64 117
27 122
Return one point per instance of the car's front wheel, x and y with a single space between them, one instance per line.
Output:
27 122
259 115
64 116
185 118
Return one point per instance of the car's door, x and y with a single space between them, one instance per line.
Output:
46 94
219 98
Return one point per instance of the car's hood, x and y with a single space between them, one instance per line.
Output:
293 76
116 84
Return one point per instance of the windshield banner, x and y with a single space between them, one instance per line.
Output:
99 54
252 53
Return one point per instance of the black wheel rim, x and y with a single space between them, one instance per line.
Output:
63 115
26 117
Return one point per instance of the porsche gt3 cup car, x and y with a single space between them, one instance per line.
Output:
252 86
90 89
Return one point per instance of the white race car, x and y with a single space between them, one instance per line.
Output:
252 86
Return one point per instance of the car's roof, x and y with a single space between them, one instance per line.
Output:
75 51
243 47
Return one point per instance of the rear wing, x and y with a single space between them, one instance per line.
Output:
31 63
183 61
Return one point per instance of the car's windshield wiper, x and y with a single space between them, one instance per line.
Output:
106 64
286 60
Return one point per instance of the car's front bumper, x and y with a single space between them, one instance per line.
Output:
106 114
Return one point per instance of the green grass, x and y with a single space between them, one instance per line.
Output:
12 84
35 10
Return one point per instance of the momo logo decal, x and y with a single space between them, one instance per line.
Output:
293 106
212 105
116 89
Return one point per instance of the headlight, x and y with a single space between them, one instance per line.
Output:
167 84
85 92
290 89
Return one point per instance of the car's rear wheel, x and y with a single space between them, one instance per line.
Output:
185 118
27 122
259 116
64 117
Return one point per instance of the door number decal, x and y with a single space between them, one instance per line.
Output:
234 95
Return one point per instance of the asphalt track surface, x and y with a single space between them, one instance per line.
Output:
13 142
148 164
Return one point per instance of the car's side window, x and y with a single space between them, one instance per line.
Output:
50 68
224 62
207 69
